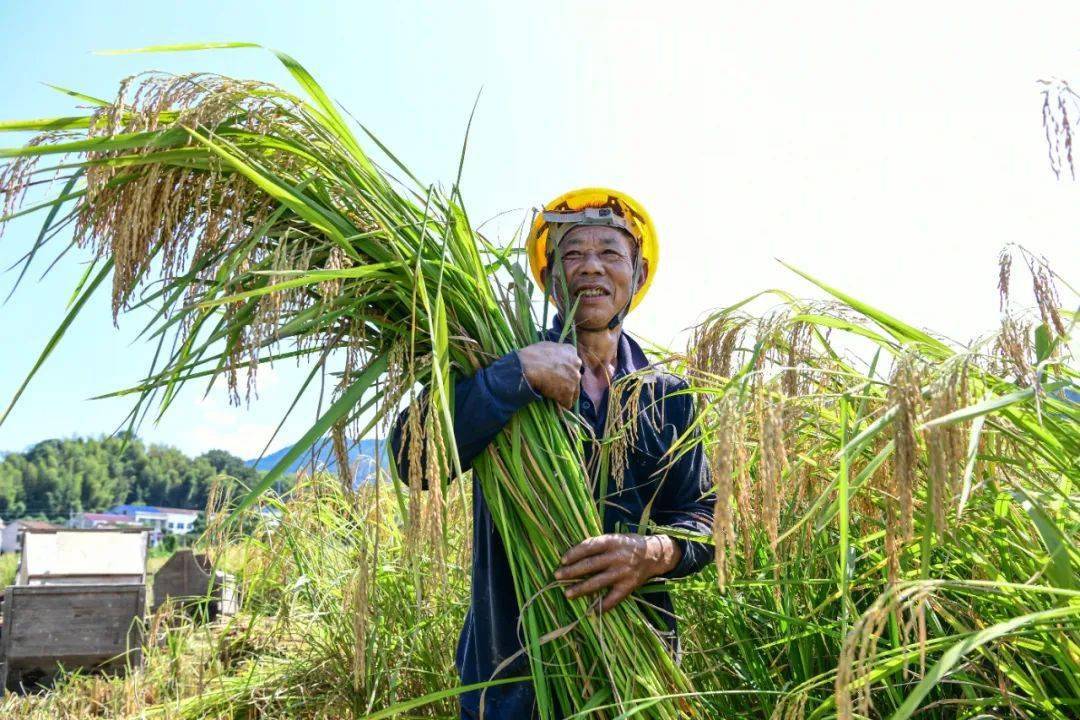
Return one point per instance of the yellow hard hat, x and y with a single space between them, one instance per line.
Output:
637 221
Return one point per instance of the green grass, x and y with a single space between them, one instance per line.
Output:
9 563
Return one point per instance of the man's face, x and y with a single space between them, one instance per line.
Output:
599 266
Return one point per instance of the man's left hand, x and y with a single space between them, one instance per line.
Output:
619 561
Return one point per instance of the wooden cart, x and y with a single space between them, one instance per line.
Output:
78 602
91 627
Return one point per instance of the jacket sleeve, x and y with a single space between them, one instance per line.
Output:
686 498
483 404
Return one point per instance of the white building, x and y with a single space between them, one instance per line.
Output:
11 536
162 521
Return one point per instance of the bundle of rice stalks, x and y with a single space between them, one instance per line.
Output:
254 227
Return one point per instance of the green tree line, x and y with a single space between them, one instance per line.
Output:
55 478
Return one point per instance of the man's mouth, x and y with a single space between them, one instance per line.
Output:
592 292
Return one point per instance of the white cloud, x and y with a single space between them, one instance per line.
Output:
212 422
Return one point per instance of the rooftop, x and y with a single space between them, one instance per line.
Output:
151 509
106 517
28 524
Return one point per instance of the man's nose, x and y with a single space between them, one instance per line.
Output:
591 264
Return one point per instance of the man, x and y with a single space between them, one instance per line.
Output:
593 250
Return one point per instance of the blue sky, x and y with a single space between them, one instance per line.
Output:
891 152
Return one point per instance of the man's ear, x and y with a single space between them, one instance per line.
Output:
642 275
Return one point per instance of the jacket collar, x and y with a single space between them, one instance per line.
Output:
630 357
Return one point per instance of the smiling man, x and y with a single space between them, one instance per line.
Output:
594 250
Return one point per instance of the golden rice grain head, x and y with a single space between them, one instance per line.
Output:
724 472
905 395
157 212
624 418
937 476
1058 104
1046 295
712 346
772 463
798 353
1012 348
744 502
341 455
359 606
855 665
17 175
1004 275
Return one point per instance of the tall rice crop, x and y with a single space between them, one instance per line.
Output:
849 601
897 513
271 233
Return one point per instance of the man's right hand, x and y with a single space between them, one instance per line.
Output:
553 370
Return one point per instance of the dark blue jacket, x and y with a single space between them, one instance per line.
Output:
484 403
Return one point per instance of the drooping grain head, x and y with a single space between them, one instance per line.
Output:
161 207
724 471
938 480
1004 275
713 345
18 175
772 462
798 353
412 445
625 415
905 395
946 443
175 209
856 664
1012 348
744 492
1058 114
894 542
359 605
438 472
1046 295
341 455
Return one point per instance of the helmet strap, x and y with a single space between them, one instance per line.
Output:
618 317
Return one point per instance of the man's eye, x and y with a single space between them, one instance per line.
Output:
572 255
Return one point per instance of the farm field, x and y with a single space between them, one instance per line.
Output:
858 582
896 515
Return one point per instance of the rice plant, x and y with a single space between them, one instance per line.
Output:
896 527
274 234
897 513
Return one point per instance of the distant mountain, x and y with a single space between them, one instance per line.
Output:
361 458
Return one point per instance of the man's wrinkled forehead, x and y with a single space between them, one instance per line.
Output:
605 236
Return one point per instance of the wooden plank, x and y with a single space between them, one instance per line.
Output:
5 640
62 621
181 577
187 580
